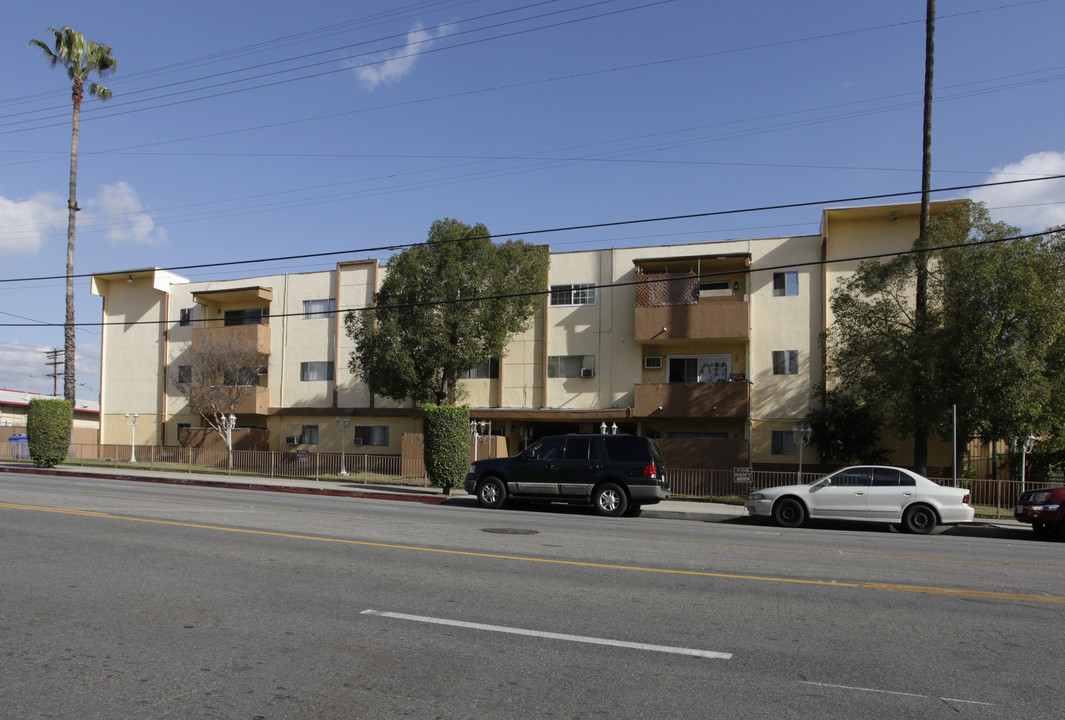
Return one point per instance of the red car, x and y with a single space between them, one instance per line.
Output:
1044 509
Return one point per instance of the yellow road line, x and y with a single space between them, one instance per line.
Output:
956 592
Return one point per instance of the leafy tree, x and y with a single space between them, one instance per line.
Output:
444 307
845 430
82 58
994 312
216 374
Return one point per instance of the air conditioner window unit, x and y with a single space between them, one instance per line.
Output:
294 439
652 362
587 372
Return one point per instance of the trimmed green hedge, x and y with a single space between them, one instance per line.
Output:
446 433
48 426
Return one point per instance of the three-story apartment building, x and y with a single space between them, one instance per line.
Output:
711 347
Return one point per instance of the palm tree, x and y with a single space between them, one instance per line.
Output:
81 58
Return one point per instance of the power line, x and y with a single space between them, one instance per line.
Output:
603 286
590 226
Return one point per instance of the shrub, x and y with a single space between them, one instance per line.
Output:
48 424
446 433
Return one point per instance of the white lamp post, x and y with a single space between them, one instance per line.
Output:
132 422
229 423
802 434
602 428
613 428
1024 445
343 444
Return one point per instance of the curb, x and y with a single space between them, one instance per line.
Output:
199 482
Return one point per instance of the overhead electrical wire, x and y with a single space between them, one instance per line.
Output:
600 286
570 228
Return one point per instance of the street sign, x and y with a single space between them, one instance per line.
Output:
741 474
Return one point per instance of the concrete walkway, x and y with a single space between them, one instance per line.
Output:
673 509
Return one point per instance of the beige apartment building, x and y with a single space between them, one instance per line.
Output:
711 347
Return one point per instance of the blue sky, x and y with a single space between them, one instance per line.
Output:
241 131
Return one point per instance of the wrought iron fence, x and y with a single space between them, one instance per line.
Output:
989 497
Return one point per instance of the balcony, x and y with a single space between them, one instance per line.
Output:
703 321
240 338
682 306
239 399
687 400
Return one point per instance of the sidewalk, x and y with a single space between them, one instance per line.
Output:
676 509
671 509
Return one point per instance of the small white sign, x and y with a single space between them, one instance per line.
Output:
741 474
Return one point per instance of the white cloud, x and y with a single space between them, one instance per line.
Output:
393 66
118 212
23 223
1032 206
25 368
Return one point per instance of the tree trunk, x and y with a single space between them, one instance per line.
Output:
72 210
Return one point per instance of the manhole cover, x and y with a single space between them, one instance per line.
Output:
511 531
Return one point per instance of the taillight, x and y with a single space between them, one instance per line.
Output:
965 500
650 471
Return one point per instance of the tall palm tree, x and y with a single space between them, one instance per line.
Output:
81 58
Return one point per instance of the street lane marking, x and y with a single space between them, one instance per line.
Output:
570 563
776 549
893 692
554 636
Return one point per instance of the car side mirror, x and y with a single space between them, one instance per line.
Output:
527 454
826 482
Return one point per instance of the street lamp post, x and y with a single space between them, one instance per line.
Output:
132 422
802 434
1024 445
343 444
229 423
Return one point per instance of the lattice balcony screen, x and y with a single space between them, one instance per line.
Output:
662 289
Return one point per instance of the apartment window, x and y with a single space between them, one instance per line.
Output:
309 435
311 371
375 435
240 377
570 366
575 294
315 309
784 443
184 374
714 285
785 283
698 368
488 370
186 317
247 316
785 362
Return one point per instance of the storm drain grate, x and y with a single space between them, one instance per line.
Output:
511 531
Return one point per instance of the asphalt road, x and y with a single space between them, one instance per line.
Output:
128 600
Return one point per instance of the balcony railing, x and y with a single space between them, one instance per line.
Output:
686 400
255 337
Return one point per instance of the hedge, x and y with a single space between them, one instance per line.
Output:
48 427
446 434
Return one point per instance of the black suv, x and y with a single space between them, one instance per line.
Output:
617 474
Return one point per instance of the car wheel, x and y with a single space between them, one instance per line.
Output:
610 500
919 519
491 493
634 511
789 513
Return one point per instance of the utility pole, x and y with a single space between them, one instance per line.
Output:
53 360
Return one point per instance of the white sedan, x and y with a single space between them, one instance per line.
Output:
866 493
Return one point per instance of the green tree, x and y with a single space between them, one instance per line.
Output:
994 312
82 58
444 307
845 430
